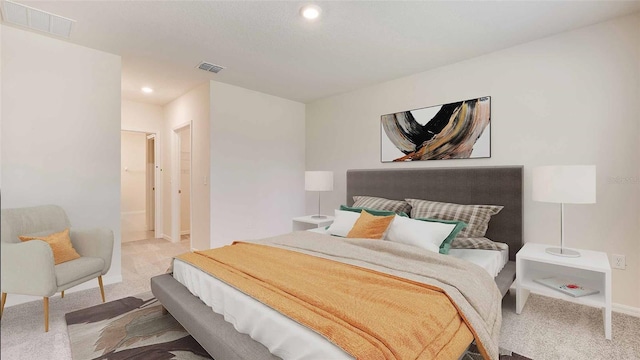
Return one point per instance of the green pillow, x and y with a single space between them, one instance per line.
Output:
373 212
446 244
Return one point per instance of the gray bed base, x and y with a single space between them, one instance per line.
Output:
477 185
217 336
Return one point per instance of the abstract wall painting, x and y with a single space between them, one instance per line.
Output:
459 130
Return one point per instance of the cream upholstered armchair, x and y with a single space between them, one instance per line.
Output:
28 268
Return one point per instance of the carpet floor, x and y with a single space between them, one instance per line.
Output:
551 329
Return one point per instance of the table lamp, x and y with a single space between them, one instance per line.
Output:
318 181
575 184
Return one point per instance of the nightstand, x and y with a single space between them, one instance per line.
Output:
307 222
591 270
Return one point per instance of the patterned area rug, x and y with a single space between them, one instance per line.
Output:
130 328
474 354
135 328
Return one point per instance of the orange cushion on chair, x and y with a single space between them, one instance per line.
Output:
60 243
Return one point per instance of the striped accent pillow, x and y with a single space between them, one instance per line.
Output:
376 203
475 216
478 243
373 212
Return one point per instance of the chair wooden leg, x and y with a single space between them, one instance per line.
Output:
46 314
4 300
101 287
62 295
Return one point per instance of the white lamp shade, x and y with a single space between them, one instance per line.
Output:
318 180
574 184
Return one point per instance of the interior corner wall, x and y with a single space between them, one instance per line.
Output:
572 98
147 118
192 106
185 182
257 164
133 169
61 132
637 178
1 27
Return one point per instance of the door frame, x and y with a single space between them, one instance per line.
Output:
175 182
151 185
157 231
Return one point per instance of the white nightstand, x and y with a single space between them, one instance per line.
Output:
307 222
591 270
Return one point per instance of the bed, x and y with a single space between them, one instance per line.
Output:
478 185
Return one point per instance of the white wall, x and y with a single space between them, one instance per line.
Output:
567 99
132 170
257 164
185 181
192 106
61 131
147 118
637 182
1 27
137 116
133 163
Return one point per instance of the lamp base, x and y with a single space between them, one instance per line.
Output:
318 216
562 252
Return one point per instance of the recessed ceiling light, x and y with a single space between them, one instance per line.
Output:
147 90
310 12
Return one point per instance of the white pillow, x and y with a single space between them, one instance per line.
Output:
423 234
343 222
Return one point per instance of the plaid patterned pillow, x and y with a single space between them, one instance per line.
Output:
477 243
475 216
377 203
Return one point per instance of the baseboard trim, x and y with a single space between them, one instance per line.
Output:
185 232
167 237
16 299
626 309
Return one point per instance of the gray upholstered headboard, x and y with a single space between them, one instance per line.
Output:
469 185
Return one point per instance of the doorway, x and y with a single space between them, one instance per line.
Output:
181 208
138 202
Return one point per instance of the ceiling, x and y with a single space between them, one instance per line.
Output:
266 45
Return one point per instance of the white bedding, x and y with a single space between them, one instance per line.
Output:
491 260
284 337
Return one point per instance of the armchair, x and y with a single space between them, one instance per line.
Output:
28 268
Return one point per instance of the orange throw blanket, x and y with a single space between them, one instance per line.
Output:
370 315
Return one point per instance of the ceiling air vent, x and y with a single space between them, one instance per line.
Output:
210 67
35 19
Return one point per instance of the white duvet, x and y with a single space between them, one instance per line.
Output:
283 337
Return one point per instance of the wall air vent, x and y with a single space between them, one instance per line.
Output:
26 16
206 66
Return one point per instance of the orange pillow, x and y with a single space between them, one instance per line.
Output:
60 243
370 226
